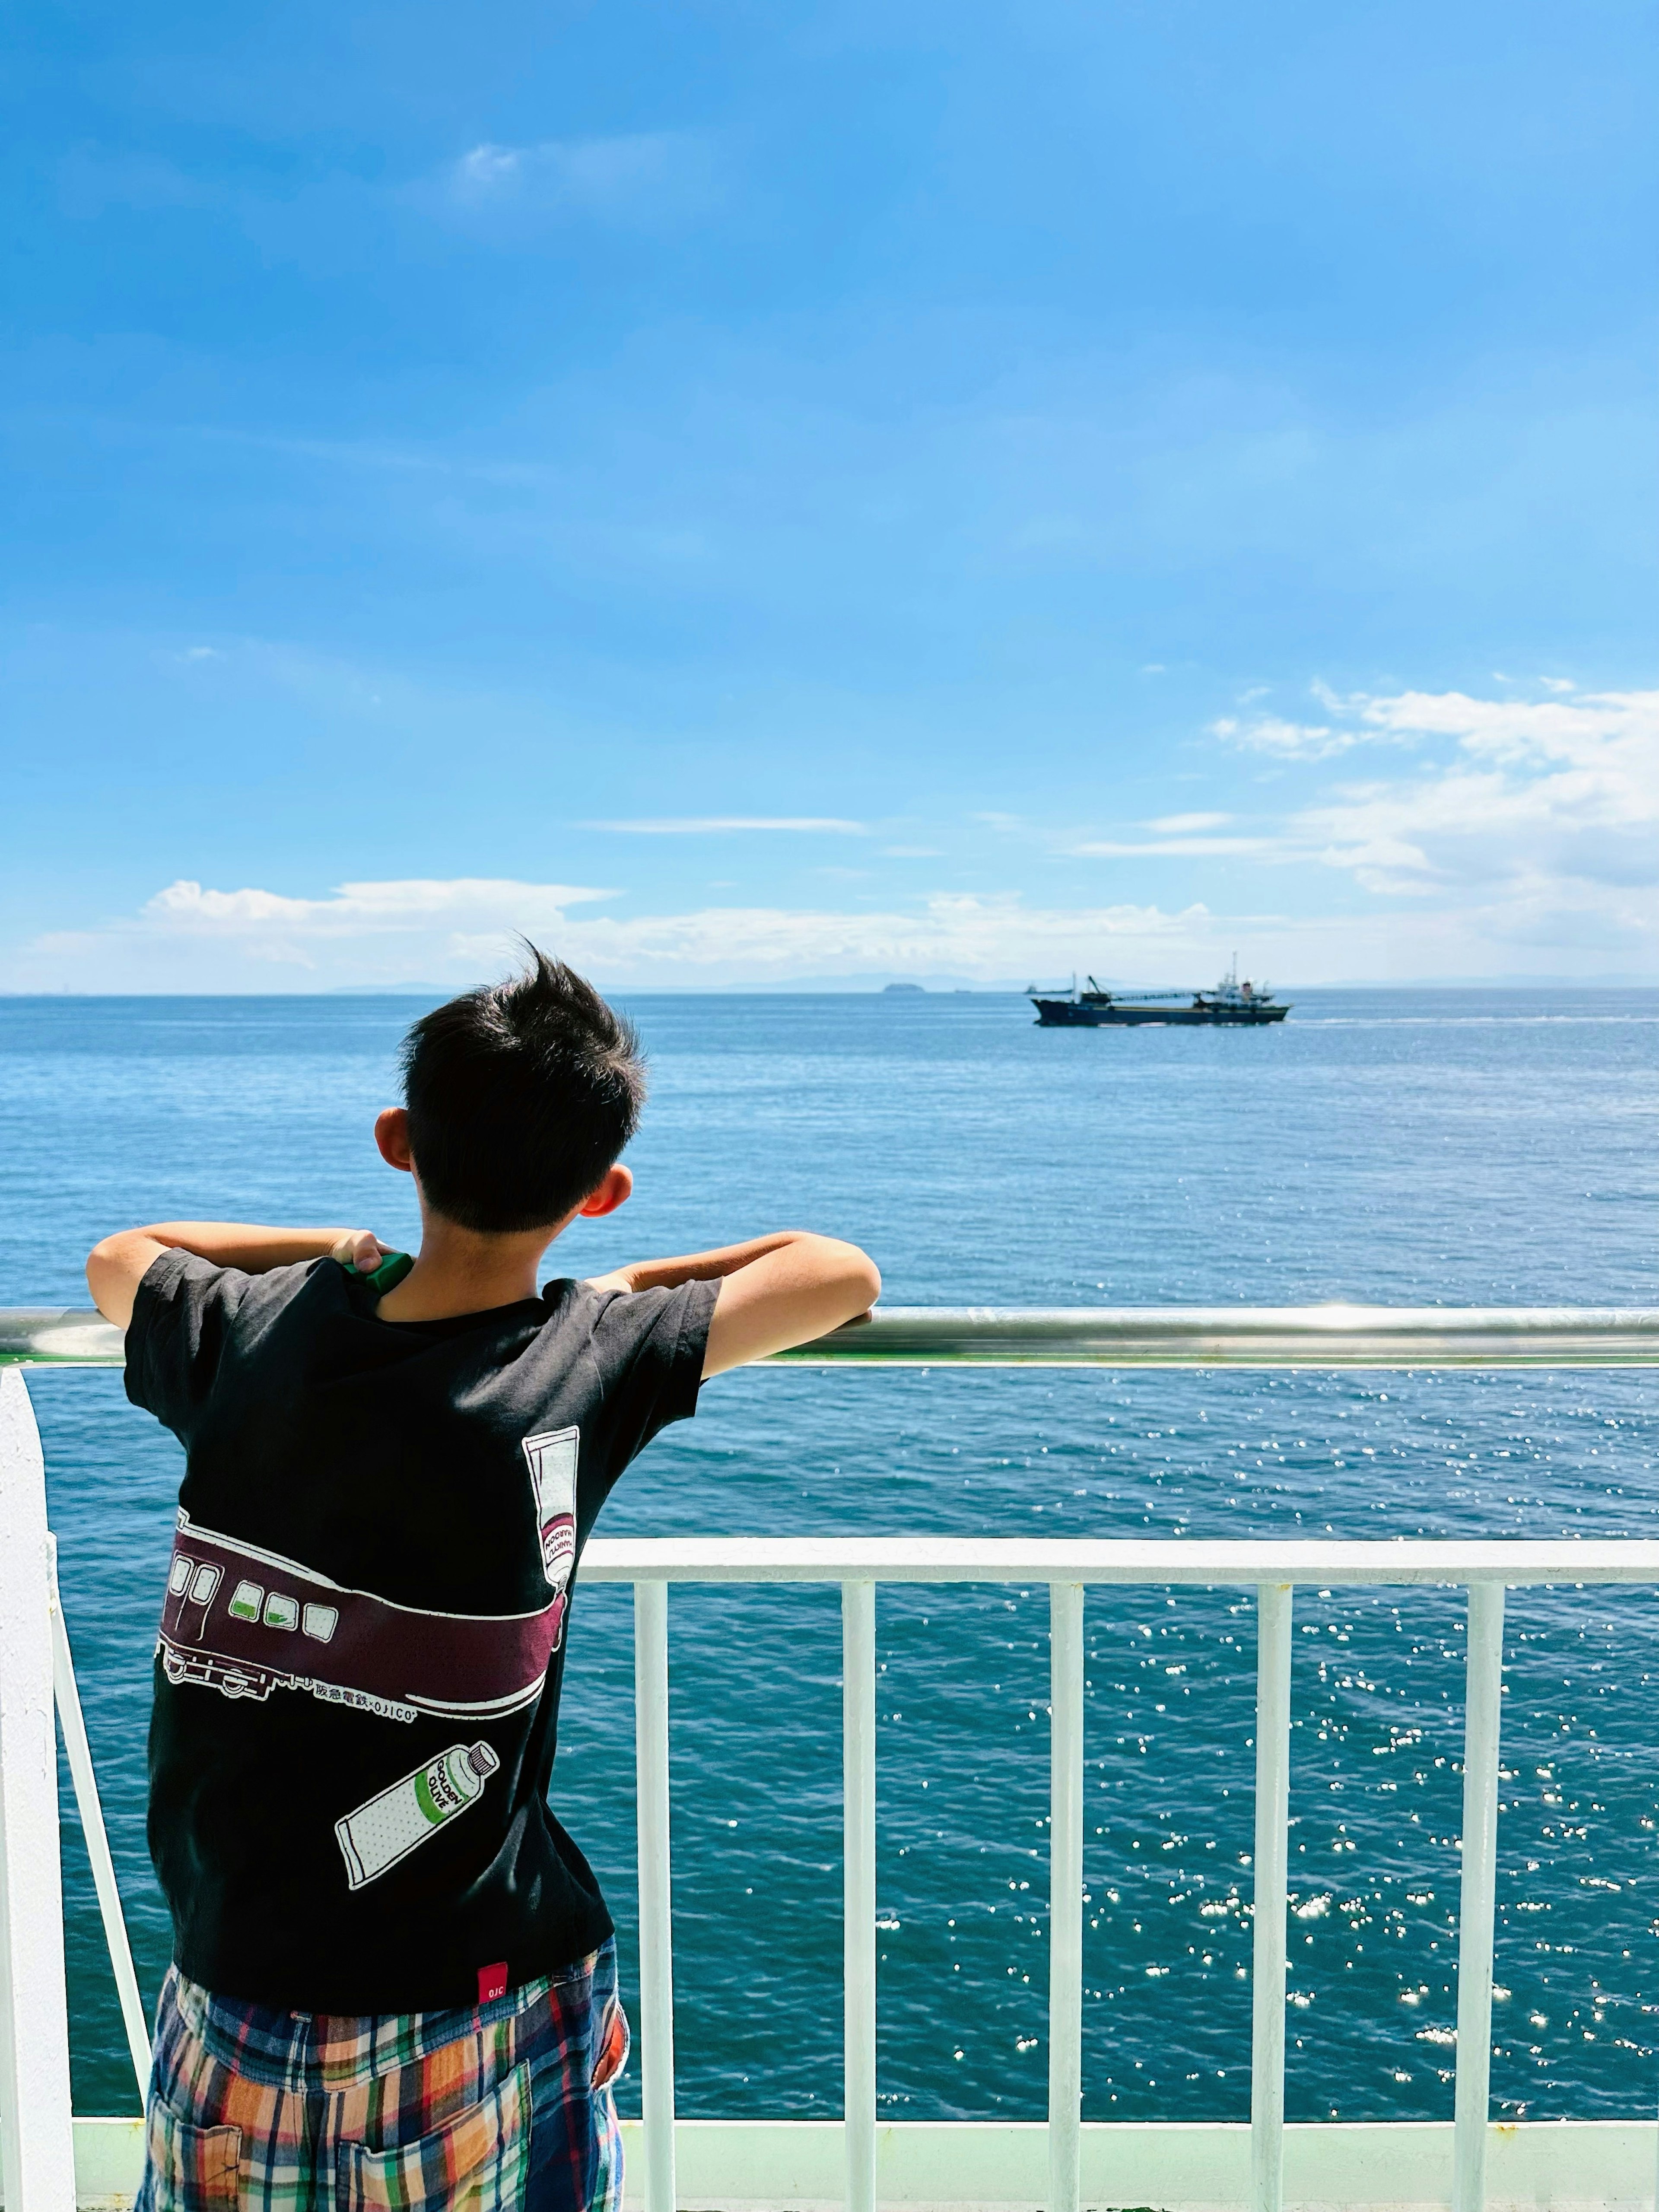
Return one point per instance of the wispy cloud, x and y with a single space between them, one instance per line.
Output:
1172 836
1555 799
1522 833
1168 848
984 936
1510 729
1269 733
189 937
372 932
1540 815
706 825
354 908
645 177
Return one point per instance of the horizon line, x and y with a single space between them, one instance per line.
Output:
817 989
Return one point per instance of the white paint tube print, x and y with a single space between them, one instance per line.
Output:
552 1458
390 1827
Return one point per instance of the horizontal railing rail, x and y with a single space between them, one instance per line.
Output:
1321 1336
1195 1562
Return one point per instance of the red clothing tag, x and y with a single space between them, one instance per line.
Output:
492 1982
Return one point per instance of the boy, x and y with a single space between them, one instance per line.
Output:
393 1978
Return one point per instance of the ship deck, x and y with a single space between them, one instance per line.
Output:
800 2166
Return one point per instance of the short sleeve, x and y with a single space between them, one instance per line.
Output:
649 1347
180 1322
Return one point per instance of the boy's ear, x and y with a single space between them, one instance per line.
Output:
392 1135
608 1196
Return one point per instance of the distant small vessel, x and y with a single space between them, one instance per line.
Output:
1231 1005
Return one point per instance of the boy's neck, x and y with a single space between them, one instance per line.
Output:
463 1271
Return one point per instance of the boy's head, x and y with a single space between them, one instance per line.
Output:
520 1097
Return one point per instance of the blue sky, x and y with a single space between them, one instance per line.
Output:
753 493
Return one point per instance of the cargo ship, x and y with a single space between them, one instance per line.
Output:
1230 1005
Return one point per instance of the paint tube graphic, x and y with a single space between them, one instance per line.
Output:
390 1827
553 1458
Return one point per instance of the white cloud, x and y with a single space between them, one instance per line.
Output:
1543 799
191 938
1541 814
1175 848
1527 822
1522 835
1173 836
1269 733
699 825
647 176
355 909
1520 729
985 936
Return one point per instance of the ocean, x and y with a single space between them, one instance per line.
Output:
1404 1146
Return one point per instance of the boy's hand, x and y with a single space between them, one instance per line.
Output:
116 1267
359 1249
775 1291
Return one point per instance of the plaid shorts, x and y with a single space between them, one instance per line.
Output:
502 2107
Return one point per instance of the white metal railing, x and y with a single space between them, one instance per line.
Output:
38 2169
1324 1336
36 2143
1272 1570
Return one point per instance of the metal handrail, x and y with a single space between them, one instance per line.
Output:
1190 1563
1324 1337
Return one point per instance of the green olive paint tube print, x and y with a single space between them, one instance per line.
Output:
399 1819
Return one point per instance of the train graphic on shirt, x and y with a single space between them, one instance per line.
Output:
245 1621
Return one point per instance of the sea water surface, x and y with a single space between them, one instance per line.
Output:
1462 1147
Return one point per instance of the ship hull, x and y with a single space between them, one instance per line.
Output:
1067 1013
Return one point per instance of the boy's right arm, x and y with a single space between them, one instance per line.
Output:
775 1291
117 1266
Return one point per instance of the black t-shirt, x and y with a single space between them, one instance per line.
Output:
363 1634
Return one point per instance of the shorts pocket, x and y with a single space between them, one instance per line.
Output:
610 2046
475 2164
190 2169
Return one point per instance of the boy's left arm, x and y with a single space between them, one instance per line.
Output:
775 1291
117 1266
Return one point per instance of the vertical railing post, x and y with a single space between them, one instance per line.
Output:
37 2144
1065 1894
858 1620
1478 1887
1273 1812
72 1721
656 1905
